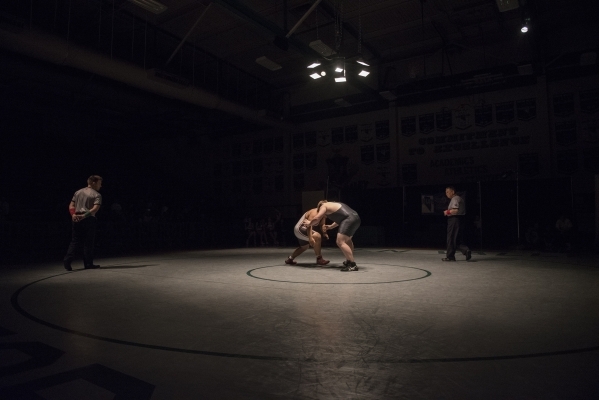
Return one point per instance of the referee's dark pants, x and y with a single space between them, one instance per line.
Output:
84 235
455 236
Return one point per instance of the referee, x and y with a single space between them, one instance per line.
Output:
456 210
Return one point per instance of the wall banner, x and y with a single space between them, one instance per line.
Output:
475 139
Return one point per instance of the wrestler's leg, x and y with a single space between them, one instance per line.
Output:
317 243
318 248
346 246
299 251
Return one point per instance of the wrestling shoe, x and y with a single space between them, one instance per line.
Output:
67 266
289 261
448 259
468 255
321 261
349 266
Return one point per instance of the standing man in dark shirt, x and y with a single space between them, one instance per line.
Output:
83 208
455 213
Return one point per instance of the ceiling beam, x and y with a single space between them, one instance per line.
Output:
238 8
350 29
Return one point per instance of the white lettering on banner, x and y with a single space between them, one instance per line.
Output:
475 169
451 162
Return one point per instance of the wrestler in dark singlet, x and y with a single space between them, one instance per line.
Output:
347 219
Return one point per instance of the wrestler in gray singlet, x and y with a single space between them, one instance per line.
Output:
347 219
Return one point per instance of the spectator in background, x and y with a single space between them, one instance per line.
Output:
250 230
116 212
261 232
563 226
272 232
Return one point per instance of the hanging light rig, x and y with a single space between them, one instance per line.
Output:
338 62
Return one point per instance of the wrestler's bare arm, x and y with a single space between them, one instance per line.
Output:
319 215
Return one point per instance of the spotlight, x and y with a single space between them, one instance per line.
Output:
315 76
340 79
323 73
314 64
364 73
338 69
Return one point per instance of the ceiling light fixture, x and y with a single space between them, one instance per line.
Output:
268 64
321 48
360 60
332 60
150 5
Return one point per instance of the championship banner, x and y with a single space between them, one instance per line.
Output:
366 133
408 126
367 154
382 130
483 115
298 142
351 134
472 142
426 123
324 138
337 136
383 153
428 205
310 139
574 123
563 105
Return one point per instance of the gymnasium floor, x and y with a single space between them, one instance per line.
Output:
240 324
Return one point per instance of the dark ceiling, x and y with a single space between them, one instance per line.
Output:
416 49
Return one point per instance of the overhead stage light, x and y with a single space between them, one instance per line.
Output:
315 76
525 25
361 61
314 64
364 73
340 79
